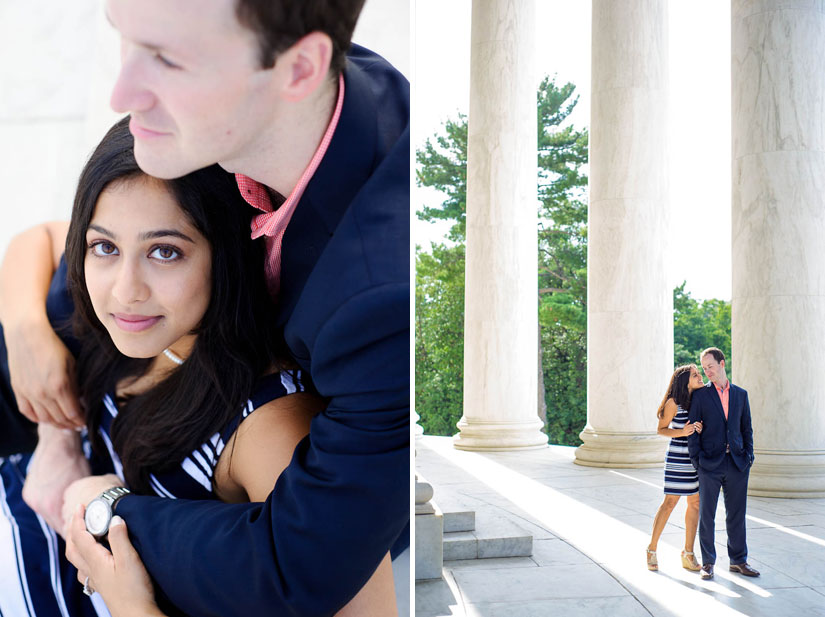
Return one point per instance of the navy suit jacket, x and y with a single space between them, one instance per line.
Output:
707 449
344 305
343 501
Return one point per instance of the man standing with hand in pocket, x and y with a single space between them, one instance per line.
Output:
722 454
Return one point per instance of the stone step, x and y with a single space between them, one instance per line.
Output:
494 537
461 520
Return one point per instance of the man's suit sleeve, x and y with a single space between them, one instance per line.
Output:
695 415
335 510
747 427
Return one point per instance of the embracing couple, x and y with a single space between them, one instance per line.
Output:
241 401
711 448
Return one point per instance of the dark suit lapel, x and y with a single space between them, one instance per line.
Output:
731 402
717 402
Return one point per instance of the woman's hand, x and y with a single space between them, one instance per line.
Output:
82 491
689 428
119 577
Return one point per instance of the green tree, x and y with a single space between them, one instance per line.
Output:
562 285
699 325
439 336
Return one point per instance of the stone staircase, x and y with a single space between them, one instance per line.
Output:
471 536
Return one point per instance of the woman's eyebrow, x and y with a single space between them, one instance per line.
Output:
102 230
162 233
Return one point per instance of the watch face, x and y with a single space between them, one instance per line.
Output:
98 515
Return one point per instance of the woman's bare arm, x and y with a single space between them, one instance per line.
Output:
263 446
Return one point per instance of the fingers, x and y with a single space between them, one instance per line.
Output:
87 553
122 549
26 409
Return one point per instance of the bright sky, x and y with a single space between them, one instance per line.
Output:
699 111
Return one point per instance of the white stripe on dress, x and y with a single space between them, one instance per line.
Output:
113 455
54 565
196 473
14 588
288 382
110 405
159 488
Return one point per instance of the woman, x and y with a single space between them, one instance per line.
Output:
181 372
681 477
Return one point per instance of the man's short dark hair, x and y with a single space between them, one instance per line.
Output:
279 24
715 352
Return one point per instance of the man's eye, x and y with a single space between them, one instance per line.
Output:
164 61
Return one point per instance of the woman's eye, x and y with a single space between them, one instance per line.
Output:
165 253
103 249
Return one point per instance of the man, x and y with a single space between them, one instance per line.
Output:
318 136
723 454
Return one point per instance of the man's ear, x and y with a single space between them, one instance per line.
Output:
305 66
722 363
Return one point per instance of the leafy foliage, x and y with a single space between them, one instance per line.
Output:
562 284
699 325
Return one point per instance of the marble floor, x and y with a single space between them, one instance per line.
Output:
591 527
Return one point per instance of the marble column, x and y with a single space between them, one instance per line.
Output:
630 302
778 226
501 293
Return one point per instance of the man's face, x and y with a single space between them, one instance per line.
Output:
714 371
191 80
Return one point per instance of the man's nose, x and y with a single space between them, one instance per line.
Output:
130 93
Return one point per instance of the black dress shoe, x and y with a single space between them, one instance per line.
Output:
707 571
743 568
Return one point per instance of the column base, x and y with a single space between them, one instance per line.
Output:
623 450
788 474
495 436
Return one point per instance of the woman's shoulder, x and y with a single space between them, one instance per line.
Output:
268 391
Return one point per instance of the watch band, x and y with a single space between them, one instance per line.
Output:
112 495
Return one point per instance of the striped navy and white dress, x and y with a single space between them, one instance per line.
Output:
681 477
36 580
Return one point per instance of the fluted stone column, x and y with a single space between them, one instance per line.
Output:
630 303
501 289
778 227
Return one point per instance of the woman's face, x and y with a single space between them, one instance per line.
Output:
148 269
695 379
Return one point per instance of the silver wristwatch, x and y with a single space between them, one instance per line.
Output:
100 511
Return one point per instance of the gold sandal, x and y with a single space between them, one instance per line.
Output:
689 561
652 562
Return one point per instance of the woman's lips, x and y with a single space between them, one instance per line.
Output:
135 323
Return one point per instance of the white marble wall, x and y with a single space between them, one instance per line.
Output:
778 226
501 297
49 56
630 305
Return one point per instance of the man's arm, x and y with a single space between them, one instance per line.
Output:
337 508
747 428
695 415
41 368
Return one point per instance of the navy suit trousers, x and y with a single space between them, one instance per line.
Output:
734 485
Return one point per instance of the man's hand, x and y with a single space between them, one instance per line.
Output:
119 577
42 372
56 463
82 491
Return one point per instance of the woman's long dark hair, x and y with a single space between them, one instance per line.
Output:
236 342
677 389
